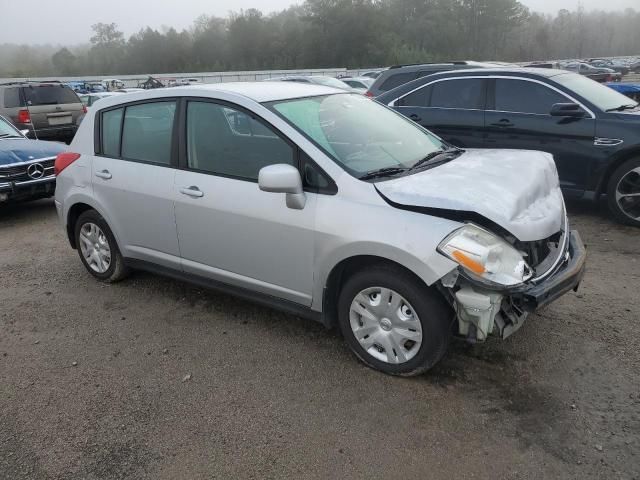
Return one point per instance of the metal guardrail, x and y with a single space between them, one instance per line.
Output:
204 77
219 77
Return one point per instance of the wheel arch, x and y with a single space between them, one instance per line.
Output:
342 271
615 162
78 206
72 217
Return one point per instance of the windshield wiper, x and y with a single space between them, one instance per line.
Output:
10 135
622 108
383 172
438 156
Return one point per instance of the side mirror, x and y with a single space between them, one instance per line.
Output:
283 178
572 110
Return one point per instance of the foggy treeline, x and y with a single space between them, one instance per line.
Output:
339 33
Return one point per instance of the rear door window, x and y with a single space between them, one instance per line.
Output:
467 94
49 95
520 96
147 132
111 125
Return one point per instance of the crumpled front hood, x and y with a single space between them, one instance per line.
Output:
16 150
517 189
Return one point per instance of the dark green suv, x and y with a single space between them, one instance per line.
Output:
46 110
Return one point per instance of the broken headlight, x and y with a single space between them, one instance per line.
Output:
486 256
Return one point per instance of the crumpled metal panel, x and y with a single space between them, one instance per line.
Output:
517 189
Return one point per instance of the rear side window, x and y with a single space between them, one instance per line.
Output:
49 95
396 80
463 94
111 124
147 132
12 97
525 97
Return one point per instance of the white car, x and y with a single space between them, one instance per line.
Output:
322 203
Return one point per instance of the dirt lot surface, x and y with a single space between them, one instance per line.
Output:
153 378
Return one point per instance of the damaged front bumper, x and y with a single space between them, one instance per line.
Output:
482 311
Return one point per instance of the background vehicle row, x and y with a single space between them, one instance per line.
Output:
592 131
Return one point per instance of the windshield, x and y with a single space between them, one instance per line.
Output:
601 96
360 134
7 130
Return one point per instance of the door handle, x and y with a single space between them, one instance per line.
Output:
415 118
504 123
192 191
104 174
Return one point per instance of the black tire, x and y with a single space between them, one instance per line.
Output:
618 175
434 314
117 269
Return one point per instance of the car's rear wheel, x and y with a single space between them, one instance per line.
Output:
393 322
98 249
623 192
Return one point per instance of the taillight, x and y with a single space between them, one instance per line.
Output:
63 160
369 94
24 116
84 108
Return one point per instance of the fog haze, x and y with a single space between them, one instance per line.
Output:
69 21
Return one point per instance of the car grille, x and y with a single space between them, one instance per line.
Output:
18 173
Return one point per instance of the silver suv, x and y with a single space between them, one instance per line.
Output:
322 203
46 110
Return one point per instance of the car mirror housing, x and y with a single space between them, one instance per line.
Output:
572 110
283 178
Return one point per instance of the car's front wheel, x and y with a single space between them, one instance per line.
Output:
623 192
98 249
393 322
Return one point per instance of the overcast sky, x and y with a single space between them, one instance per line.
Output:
69 21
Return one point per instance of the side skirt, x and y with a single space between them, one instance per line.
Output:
255 297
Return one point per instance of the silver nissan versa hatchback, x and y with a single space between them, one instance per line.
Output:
322 203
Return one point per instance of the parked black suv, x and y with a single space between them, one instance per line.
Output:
592 131
48 110
400 74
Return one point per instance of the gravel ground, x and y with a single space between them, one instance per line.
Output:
152 378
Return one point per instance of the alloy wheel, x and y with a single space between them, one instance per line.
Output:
628 194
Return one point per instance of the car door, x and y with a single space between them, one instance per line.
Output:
519 117
133 179
229 230
451 108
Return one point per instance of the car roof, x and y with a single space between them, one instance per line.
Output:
438 65
543 72
257 91
269 91
470 72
